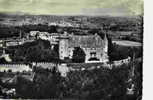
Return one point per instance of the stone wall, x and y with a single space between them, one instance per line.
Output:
24 67
46 65
73 66
123 61
14 67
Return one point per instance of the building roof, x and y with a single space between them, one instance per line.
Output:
86 41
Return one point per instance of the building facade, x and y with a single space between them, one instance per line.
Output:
94 47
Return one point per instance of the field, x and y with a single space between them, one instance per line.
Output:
127 43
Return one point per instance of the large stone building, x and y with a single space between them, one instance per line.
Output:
94 47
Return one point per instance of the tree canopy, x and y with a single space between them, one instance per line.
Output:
78 55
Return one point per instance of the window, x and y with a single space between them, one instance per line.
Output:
92 54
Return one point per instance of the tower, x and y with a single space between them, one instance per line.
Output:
63 46
105 44
105 49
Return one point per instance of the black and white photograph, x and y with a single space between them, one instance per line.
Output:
71 49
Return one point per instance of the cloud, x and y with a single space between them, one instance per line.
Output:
70 7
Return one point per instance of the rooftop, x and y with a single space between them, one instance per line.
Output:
86 41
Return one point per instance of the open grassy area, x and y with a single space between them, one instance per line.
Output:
127 43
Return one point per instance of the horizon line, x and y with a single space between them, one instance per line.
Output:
85 15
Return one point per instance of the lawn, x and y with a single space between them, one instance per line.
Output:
127 43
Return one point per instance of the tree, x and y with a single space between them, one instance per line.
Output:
78 55
110 48
37 51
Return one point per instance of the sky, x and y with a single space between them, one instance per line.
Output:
73 7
